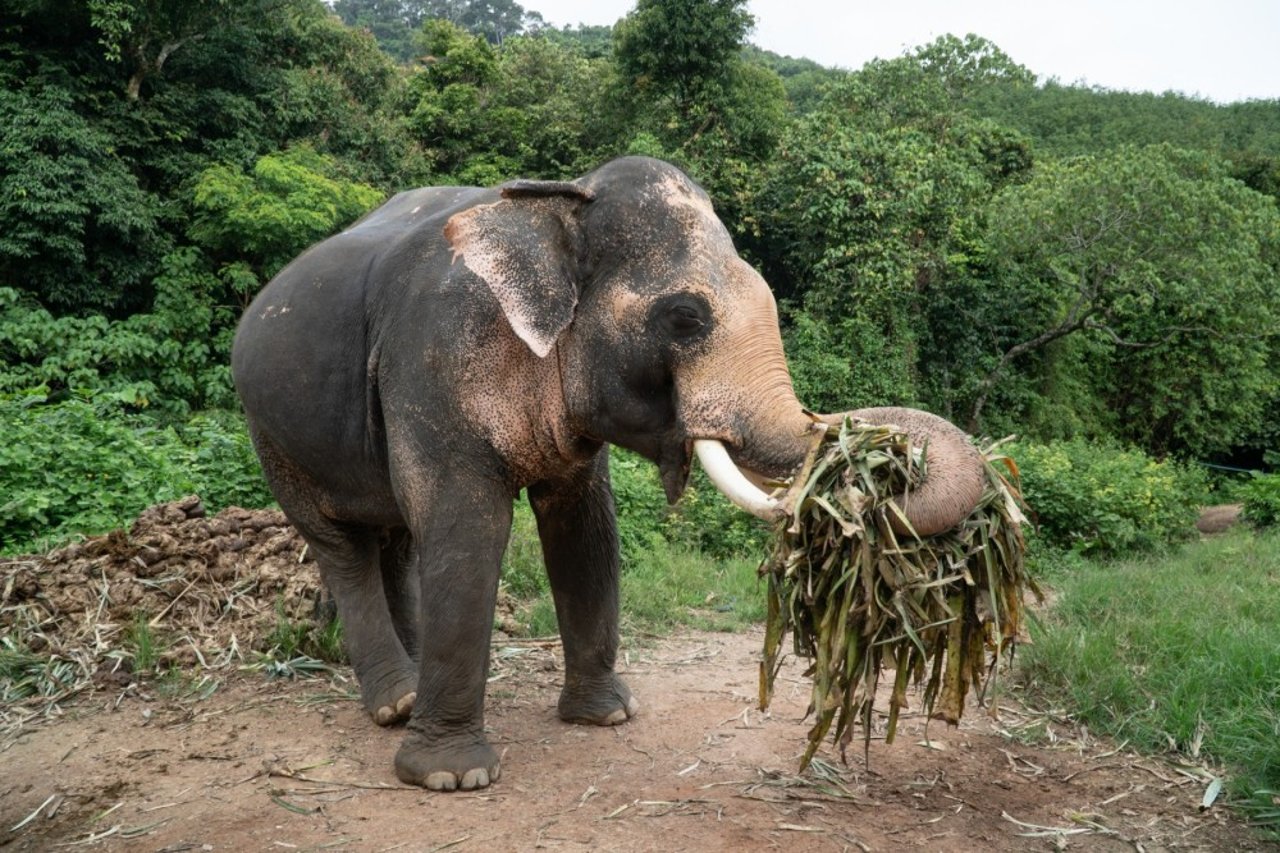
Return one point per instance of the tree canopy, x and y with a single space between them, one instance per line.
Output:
940 229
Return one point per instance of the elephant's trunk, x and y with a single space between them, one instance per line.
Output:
952 488
955 472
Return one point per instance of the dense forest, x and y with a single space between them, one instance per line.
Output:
941 230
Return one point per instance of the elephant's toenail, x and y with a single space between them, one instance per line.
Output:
442 781
477 778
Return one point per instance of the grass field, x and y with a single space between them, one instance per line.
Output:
1177 652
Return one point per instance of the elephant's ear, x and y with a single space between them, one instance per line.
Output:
525 247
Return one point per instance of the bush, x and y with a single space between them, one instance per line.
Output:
1105 500
1262 500
72 467
221 462
83 466
166 360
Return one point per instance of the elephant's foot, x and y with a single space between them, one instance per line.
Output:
447 763
391 700
601 701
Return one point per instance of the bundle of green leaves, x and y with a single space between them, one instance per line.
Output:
857 594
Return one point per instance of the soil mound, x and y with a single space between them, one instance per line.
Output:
1216 519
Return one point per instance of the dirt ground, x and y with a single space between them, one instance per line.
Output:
112 761
272 765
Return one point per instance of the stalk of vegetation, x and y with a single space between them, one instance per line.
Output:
857 595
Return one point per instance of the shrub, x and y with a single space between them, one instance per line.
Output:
87 466
703 520
220 460
72 467
1262 500
1106 500
167 359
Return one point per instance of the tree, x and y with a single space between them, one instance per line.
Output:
143 34
681 49
76 228
872 204
1171 268
392 22
258 222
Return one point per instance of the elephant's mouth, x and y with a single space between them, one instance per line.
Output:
673 465
742 486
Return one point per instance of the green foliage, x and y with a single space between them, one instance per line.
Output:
693 564
1179 651
702 521
293 645
1105 500
218 456
390 21
847 363
76 228
533 107
681 49
872 209
523 573
99 474
1262 500
1067 120
164 359
264 219
1115 246
670 586
107 466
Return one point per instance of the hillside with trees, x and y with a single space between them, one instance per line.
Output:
941 229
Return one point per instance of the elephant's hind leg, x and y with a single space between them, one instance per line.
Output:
349 564
579 533
402 589
349 560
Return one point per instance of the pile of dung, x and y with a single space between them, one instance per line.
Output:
204 590
859 597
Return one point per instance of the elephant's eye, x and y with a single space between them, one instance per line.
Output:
683 315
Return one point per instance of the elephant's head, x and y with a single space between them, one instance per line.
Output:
665 339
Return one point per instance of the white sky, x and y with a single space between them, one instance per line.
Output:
1224 50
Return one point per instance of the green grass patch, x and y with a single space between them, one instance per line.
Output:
665 588
665 585
1180 651
670 586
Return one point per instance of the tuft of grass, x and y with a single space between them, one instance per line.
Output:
292 640
142 644
1180 651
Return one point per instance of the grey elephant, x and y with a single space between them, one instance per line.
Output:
406 378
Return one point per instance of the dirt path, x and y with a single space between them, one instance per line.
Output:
296 765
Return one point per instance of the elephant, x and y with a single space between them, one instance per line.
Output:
406 378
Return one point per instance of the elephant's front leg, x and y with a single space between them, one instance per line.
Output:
579 533
458 555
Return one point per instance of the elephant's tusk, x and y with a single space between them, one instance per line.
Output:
731 481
